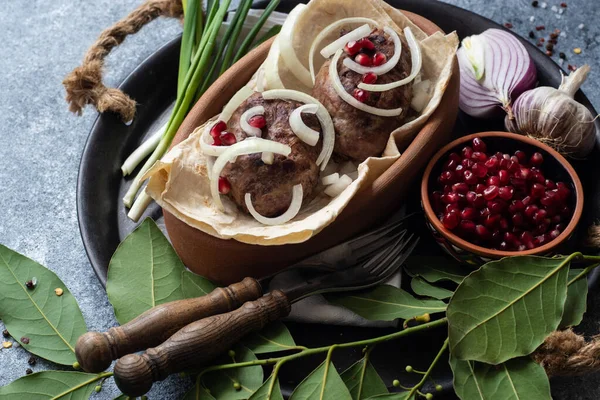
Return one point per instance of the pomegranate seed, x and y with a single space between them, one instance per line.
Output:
379 59
503 246
224 185
450 165
513 167
506 192
531 210
497 236
522 248
504 176
467 152
467 163
217 128
493 180
560 227
492 163
484 213
515 159
460 188
479 145
363 60
536 159
471 197
450 198
521 156
469 213
504 224
258 121
459 170
455 157
452 207
511 238
370 78
492 221
517 219
479 202
352 48
537 190
563 190
566 211
540 216
447 177
479 169
523 173
556 219
504 162
490 192
550 184
539 240
482 232
450 220
527 201
526 236
518 182
538 177
479 156
227 139
554 234
470 177
515 206
365 43
361 95
467 226
480 188
217 141
496 206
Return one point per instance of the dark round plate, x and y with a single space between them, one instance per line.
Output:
104 224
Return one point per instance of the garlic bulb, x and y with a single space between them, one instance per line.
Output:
554 117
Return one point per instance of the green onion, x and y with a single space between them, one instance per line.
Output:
239 24
259 24
187 42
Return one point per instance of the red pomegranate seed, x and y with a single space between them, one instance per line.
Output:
482 232
540 216
560 227
504 176
224 185
506 192
554 234
538 177
490 192
460 188
565 212
217 128
492 163
450 220
496 206
450 165
447 177
363 60
455 157
467 152
515 206
379 59
513 167
522 248
504 224
563 190
550 184
531 210
469 213
217 141
521 156
452 207
352 48
556 219
361 95
459 170
537 190
479 156
523 173
471 197
258 121
503 246
467 226
539 240
479 169
228 138
484 213
496 236
479 145
370 78
450 198
518 182
526 236
515 159
467 163
511 238
527 201
480 188
517 219
536 159
493 180
470 177
365 43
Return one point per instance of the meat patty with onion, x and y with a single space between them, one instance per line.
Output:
358 134
271 185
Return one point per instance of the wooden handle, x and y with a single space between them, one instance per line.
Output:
95 351
197 343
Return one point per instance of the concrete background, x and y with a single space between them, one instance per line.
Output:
41 142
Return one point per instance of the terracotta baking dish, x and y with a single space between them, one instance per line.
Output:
227 261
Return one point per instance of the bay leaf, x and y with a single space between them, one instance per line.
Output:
423 288
263 392
273 338
220 383
363 381
435 268
392 396
145 271
52 385
387 303
516 379
322 384
507 308
51 323
576 303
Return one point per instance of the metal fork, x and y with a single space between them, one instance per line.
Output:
203 340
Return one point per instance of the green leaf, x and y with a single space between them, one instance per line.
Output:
275 337
52 385
363 381
220 383
52 323
145 271
517 379
386 303
576 303
312 388
121 397
435 268
391 396
507 308
423 288
198 392
263 392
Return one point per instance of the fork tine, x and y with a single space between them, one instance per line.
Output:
396 248
378 257
399 259
372 236
374 243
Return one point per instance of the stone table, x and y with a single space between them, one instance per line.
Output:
41 142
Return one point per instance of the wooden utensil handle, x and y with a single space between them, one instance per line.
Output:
197 343
95 351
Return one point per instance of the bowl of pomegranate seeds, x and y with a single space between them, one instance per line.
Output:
497 194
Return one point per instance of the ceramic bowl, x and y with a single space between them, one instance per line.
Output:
227 261
555 167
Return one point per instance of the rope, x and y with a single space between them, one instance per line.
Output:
565 353
84 84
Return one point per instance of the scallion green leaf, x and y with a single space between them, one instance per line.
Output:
252 35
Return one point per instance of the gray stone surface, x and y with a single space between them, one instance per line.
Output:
41 142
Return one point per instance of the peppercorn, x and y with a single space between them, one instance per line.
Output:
29 284
553 41
531 34
534 3
563 5
562 55
540 28
542 40
550 47
508 25
549 53
29 371
25 340
32 361
5 333
553 35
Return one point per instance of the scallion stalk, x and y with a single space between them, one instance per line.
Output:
252 35
143 151
240 17
187 42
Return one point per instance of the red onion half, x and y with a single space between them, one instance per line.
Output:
504 68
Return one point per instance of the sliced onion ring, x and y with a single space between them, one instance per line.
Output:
286 46
325 32
291 212
246 127
348 98
383 68
416 60
207 148
244 147
235 102
267 157
304 133
355 35
322 115
260 80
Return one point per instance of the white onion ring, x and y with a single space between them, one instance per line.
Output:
267 157
330 179
416 61
286 43
291 212
337 188
322 115
304 133
246 127
235 102
383 68
355 35
348 98
326 31
244 147
260 77
207 148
